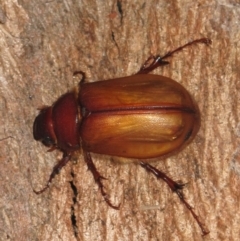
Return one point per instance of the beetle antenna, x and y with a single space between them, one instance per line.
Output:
56 169
98 179
156 61
177 188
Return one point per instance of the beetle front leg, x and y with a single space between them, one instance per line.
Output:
177 188
56 169
83 79
98 178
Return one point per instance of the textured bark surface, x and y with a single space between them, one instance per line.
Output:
42 43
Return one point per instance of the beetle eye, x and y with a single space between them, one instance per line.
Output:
47 141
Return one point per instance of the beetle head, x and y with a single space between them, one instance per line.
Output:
43 128
57 126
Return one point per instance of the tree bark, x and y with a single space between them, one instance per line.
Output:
43 43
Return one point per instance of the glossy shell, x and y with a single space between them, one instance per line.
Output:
140 116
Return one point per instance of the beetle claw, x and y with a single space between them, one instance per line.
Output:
103 178
42 190
83 75
180 186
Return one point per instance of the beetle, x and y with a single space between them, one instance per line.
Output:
141 116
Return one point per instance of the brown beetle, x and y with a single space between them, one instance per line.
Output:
140 116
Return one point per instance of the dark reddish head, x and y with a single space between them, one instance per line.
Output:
58 125
43 128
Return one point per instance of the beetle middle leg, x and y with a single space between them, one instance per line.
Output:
177 188
154 62
98 178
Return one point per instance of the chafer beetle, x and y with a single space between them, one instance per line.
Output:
141 116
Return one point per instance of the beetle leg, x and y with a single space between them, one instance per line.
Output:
152 63
98 178
56 169
4 138
206 41
177 188
158 61
83 76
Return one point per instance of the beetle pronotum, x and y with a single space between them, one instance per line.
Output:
141 116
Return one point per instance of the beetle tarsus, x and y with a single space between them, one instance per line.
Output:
177 188
5 138
157 61
205 231
42 190
196 41
56 169
97 177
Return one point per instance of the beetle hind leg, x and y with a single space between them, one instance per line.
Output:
157 61
98 179
177 188
152 63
